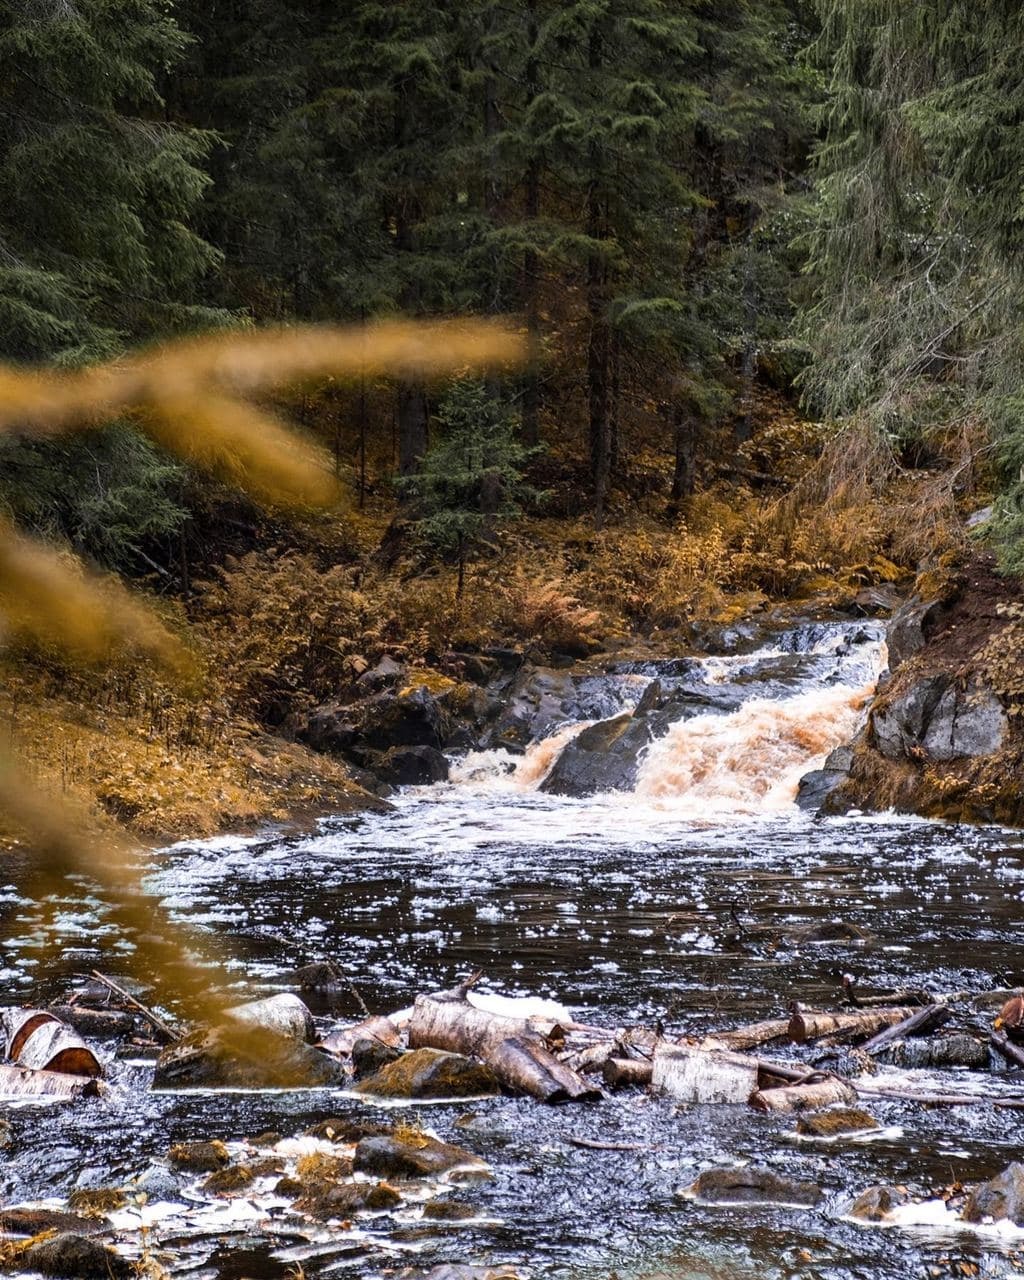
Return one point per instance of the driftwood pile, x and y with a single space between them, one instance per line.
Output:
457 1044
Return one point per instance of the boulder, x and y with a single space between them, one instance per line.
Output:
966 722
73 1255
411 767
369 1055
937 719
385 674
751 1186
604 757
817 787
341 1200
199 1157
835 1121
415 1157
408 718
212 1060
911 627
877 1203
1002 1197
431 1073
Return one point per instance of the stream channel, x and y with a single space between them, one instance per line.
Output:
683 901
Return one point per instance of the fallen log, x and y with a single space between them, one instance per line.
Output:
842 1028
514 1048
1010 1052
958 1050
805 1097
754 1035
22 1082
918 1024
103 1023
383 1030
40 1041
622 1073
696 1074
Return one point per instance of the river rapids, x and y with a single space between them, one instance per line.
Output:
683 902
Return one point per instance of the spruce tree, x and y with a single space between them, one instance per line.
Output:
98 192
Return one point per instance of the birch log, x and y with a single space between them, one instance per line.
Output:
695 1074
383 1030
514 1048
804 1097
21 1082
38 1040
842 1028
754 1034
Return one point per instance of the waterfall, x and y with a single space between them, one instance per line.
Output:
791 707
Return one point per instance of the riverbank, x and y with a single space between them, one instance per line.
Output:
944 736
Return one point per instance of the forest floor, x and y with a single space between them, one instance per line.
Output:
291 619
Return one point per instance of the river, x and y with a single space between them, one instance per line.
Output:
684 901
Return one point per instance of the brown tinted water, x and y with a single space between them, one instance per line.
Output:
628 908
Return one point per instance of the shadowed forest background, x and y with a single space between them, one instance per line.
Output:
762 257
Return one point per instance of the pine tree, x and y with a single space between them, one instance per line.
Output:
97 196
96 189
471 479
915 252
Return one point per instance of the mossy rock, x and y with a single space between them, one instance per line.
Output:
342 1200
199 1157
76 1256
235 1177
96 1202
423 1158
449 1211
877 1203
319 1166
835 1121
431 1073
343 1130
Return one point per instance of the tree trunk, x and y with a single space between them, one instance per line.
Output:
842 1028
684 438
412 420
599 347
805 1097
531 262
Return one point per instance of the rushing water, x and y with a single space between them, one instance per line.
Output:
683 902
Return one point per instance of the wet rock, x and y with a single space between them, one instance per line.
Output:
288 1188
386 673
267 1167
6 1135
344 1199
911 627
322 976
835 1121
752 1186
369 1056
268 1139
817 787
199 1157
411 767
32 1222
76 1256
936 719
215 1061
96 1023
342 1129
431 1073
236 1177
96 1202
1001 1197
416 1157
603 758
158 1183
449 1211
877 1203
322 1166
